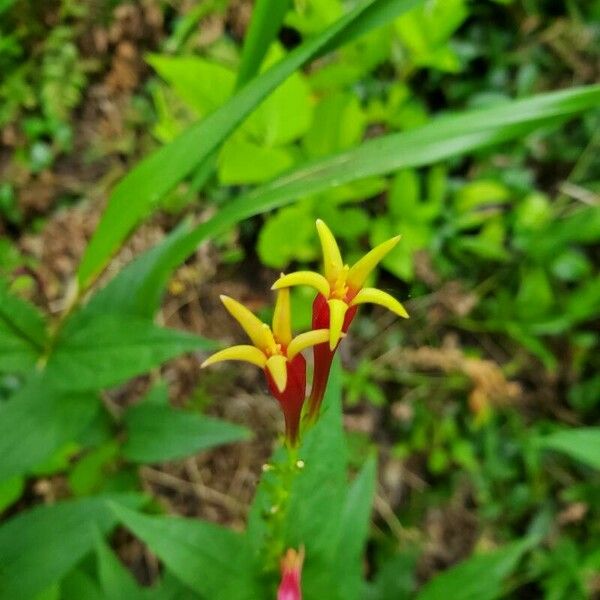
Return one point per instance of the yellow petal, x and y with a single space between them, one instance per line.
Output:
360 270
337 312
305 340
282 326
245 352
257 331
277 367
310 278
375 296
332 259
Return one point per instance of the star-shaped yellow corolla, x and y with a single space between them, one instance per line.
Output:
274 350
342 286
340 292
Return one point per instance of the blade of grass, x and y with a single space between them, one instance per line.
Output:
267 17
140 284
138 193
438 140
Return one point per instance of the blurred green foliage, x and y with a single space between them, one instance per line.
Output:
515 227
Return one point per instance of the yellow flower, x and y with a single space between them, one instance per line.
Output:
272 347
275 351
342 286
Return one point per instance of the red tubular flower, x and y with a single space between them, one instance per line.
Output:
277 353
291 572
340 291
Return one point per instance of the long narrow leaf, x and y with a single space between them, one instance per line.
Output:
444 138
139 192
441 139
267 17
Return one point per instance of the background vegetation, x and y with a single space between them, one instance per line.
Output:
483 408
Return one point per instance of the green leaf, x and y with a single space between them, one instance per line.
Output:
170 588
89 473
50 593
478 578
316 498
98 351
138 288
338 123
579 227
582 444
24 317
22 333
535 296
395 578
286 236
116 581
139 192
17 355
267 17
286 114
78 585
10 491
405 195
158 433
426 30
241 161
211 560
318 495
442 138
37 421
355 522
203 85
38 547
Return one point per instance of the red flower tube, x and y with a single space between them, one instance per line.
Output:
340 291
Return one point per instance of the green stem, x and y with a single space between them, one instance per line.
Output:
284 471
